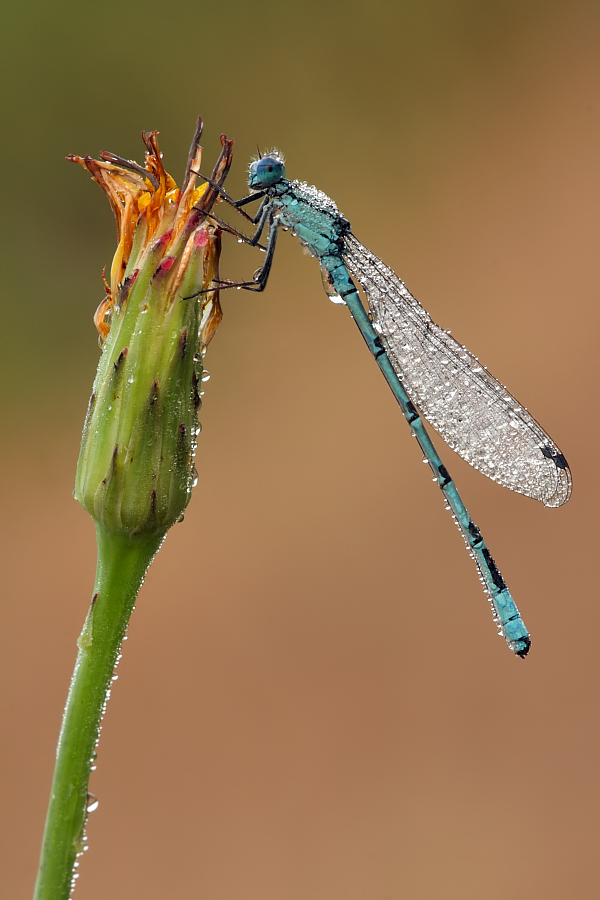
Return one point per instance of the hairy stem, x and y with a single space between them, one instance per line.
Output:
122 564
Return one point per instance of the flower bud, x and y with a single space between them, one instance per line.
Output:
136 465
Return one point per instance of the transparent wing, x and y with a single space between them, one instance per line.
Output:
473 412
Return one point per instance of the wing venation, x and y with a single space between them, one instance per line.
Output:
466 405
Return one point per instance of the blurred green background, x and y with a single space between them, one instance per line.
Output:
313 702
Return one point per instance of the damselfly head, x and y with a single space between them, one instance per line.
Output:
266 170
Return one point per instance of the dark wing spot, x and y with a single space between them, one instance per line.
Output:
557 458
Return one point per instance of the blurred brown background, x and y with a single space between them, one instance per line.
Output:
313 702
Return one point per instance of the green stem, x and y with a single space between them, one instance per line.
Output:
122 564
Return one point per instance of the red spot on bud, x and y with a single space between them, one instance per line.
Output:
131 279
201 238
166 264
164 239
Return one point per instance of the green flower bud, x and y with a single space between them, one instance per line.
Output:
136 465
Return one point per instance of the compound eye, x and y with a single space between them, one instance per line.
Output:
269 170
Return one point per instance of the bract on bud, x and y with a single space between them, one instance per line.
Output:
136 466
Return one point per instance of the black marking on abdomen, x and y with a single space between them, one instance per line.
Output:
475 534
446 480
527 641
380 348
411 413
493 570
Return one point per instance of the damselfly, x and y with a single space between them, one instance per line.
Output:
428 371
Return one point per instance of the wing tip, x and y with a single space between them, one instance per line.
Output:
564 489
